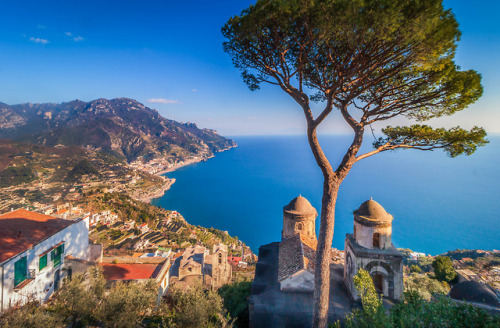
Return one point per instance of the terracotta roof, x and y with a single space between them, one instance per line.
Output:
130 271
296 253
299 205
22 229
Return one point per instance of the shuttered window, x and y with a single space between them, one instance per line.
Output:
20 271
42 262
56 254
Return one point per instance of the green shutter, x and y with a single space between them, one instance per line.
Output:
42 262
20 270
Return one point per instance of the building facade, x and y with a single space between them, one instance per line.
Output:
198 266
33 248
370 248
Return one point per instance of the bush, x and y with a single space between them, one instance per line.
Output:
414 311
415 269
236 301
425 286
443 268
194 308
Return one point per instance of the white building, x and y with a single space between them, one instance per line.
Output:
32 251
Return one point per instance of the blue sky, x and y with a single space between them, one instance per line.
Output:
168 55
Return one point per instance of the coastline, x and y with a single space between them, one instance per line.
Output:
170 181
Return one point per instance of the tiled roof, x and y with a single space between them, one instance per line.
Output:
296 254
21 229
130 271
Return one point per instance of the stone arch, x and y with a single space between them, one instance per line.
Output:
383 275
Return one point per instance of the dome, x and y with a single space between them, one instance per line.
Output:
373 211
299 205
476 292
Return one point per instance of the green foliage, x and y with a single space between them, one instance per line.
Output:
426 287
195 308
440 313
415 269
14 175
236 301
30 315
374 59
369 297
372 313
127 304
414 311
443 268
425 263
454 142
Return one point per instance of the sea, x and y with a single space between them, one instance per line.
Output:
438 203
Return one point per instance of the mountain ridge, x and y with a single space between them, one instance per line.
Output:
122 127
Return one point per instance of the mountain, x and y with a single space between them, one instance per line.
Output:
122 127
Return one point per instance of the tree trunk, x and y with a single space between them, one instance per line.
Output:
331 185
322 272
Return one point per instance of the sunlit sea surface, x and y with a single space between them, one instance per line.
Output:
438 203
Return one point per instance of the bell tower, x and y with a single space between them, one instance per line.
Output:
299 218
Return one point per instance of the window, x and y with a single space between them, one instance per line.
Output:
376 240
56 254
42 262
20 271
299 226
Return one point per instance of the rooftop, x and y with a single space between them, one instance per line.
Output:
22 229
131 271
372 211
295 254
300 205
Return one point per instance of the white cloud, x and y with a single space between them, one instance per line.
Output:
163 101
195 90
39 40
76 38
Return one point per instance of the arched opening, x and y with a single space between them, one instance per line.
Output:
378 281
220 258
376 240
354 234
299 226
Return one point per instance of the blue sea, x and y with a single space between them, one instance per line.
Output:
438 203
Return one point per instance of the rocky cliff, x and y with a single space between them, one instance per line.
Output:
122 127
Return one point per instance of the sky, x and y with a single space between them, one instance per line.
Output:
168 55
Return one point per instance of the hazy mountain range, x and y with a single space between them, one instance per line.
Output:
122 127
